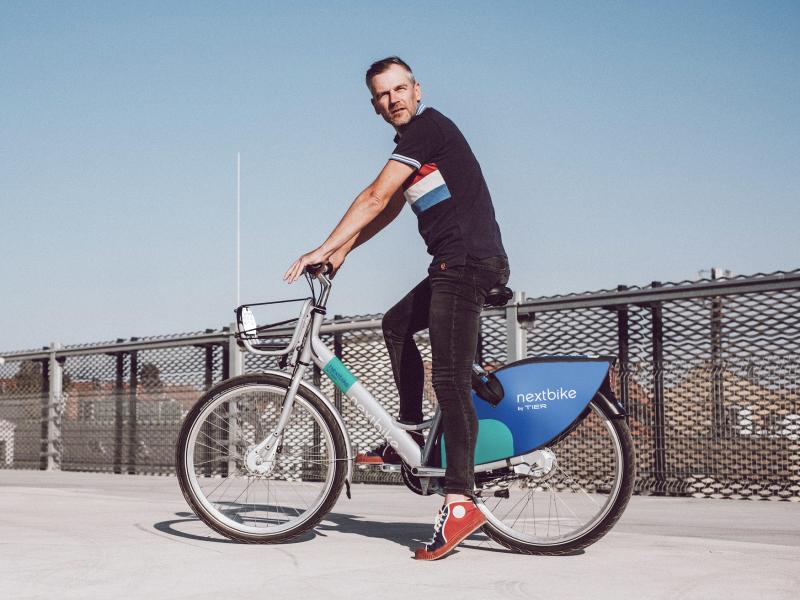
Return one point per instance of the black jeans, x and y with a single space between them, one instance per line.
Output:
448 303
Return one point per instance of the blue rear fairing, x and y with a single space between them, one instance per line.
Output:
543 397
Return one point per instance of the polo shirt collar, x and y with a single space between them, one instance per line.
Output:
420 108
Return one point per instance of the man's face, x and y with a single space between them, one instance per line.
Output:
395 95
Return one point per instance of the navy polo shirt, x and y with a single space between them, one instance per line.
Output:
447 190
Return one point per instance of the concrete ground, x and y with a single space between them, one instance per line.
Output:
83 535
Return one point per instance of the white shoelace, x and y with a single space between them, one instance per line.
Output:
437 524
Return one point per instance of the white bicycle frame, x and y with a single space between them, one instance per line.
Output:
307 346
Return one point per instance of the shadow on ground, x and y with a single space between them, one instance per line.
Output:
408 535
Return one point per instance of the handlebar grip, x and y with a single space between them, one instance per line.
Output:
316 269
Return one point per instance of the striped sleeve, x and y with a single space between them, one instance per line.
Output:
406 160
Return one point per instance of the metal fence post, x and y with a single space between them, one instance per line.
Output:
235 362
56 386
133 434
235 367
623 349
717 377
208 381
516 335
659 426
119 406
44 416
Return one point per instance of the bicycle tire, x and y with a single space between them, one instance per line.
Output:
514 540
239 386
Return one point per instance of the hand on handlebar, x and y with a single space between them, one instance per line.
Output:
336 261
299 266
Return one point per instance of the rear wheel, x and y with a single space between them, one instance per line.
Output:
260 497
570 495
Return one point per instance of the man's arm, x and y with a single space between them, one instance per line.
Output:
386 216
365 208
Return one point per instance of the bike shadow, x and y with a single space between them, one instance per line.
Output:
408 535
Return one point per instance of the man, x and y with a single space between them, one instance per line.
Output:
433 169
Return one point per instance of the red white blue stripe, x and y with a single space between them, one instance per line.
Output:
426 189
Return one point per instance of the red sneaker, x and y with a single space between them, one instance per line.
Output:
379 455
454 523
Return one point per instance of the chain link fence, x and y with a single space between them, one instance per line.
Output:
708 371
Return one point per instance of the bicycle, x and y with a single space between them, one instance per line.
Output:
262 458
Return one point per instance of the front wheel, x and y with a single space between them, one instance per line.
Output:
266 497
572 496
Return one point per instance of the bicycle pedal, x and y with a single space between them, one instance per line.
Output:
427 472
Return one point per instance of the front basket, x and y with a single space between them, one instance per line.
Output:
277 336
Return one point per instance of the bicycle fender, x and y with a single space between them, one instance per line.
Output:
322 398
609 400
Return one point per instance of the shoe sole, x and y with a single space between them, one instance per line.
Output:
377 460
422 554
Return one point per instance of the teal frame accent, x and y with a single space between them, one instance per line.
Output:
340 375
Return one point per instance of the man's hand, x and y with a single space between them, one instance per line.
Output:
336 260
299 266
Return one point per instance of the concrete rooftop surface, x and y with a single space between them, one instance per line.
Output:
90 535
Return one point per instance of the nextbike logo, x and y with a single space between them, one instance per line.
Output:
539 400
547 394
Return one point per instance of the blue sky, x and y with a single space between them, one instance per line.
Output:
622 143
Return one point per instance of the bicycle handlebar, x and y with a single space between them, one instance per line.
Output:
316 269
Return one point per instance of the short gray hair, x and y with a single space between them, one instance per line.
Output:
379 66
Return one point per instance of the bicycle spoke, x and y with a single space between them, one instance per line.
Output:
579 487
527 499
510 509
296 493
224 480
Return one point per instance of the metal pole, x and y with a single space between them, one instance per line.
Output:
623 350
55 395
516 335
211 427
133 433
659 429
44 446
235 368
209 375
235 356
238 233
119 406
717 392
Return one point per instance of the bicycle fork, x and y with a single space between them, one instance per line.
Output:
259 458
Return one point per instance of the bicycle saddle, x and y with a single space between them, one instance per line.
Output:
498 296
